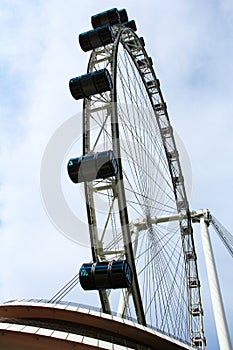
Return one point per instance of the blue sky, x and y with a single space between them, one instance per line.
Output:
190 43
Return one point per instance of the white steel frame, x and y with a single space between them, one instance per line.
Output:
203 216
107 58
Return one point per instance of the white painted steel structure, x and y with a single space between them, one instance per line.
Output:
215 292
133 121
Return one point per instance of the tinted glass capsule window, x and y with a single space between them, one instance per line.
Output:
143 62
131 25
96 38
105 275
123 15
142 41
73 169
90 84
93 166
107 17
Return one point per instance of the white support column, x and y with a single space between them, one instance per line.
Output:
219 314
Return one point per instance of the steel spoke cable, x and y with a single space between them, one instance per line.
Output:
171 313
150 247
156 165
154 141
171 290
166 235
159 188
167 260
144 93
125 82
154 256
63 291
156 147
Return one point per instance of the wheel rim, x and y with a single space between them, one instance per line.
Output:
122 211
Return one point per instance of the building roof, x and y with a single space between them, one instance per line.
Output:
39 324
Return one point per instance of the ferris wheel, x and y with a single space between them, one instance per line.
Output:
144 261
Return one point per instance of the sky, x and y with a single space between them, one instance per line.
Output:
190 43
